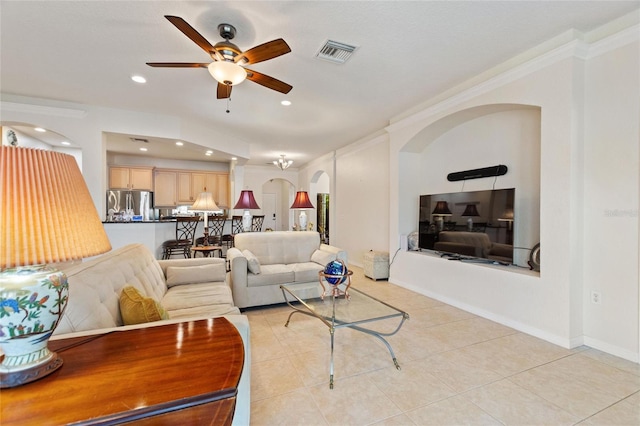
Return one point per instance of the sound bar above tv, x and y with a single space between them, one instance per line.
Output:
492 171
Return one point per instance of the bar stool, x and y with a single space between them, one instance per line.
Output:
216 226
236 228
185 231
256 223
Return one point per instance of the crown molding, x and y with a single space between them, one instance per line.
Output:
615 41
364 143
575 48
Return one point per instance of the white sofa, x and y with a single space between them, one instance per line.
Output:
187 289
262 261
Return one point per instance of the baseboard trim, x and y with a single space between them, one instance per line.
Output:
533 331
611 349
516 325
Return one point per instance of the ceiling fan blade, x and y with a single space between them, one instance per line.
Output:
177 64
266 51
224 91
190 32
269 82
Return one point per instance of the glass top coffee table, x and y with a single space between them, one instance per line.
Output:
355 310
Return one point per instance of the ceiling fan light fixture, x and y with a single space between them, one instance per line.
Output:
227 72
228 59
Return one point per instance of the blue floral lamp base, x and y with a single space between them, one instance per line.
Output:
32 300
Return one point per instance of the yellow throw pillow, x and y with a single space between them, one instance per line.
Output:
137 309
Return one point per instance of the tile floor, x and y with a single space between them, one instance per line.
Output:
457 369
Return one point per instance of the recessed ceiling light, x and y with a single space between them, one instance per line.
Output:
39 129
65 143
209 152
285 103
179 143
143 149
234 159
138 79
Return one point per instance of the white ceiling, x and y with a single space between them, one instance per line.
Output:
408 52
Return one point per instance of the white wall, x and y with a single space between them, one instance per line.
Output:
362 198
358 180
611 189
579 145
323 185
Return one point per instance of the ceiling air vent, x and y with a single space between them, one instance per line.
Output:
139 140
334 51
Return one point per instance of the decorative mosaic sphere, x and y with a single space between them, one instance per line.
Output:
336 267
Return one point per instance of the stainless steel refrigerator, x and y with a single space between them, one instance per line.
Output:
125 205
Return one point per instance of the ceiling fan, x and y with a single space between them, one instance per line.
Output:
228 66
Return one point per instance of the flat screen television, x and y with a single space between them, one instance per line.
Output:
473 224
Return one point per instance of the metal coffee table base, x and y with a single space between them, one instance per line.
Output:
333 328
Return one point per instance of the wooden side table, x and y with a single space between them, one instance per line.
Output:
184 373
206 250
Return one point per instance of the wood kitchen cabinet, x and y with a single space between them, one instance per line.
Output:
218 185
223 191
185 195
131 178
187 184
165 189
193 183
201 182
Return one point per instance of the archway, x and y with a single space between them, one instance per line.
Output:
473 138
277 195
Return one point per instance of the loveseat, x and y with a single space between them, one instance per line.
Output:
475 244
185 289
261 261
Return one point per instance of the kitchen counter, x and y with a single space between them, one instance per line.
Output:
150 233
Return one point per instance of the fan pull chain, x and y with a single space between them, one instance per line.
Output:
228 96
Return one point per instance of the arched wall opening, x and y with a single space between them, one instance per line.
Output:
277 196
473 138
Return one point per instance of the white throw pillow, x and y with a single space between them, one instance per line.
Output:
322 257
252 261
177 275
